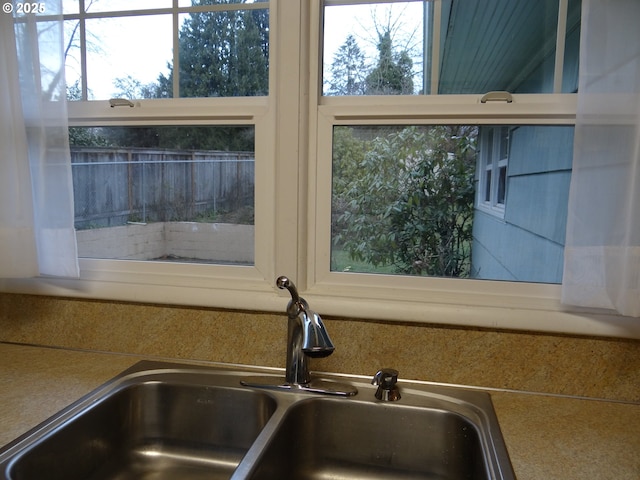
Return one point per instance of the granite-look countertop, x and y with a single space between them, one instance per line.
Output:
548 437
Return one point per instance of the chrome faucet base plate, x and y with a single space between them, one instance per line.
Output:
326 387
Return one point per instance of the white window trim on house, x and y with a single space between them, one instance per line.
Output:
489 165
293 202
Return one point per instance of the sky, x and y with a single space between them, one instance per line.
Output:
118 47
142 46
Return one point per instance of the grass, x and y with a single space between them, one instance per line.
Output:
342 262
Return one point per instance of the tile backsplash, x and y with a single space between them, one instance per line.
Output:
556 364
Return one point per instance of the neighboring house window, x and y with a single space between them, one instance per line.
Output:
492 170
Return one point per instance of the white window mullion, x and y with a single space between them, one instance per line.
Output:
83 52
176 50
290 117
560 45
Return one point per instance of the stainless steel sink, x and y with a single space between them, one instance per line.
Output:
151 426
163 420
321 439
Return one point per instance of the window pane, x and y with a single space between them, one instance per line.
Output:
504 143
404 202
489 145
164 193
572 47
127 57
70 6
125 5
387 48
72 62
73 6
487 187
373 49
502 185
496 45
49 55
224 54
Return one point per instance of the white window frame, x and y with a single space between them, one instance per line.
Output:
293 205
489 165
225 285
246 287
462 302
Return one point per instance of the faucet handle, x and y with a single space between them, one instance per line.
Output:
386 379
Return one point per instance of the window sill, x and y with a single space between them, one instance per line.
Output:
497 212
342 295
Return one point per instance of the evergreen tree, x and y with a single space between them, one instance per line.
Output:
348 70
221 54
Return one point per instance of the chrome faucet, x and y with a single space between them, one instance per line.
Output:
307 338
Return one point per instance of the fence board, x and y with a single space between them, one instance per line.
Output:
118 185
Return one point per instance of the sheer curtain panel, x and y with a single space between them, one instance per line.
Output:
602 251
36 192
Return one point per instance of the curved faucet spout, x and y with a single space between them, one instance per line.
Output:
315 338
283 282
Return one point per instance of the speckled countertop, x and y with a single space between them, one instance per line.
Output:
548 437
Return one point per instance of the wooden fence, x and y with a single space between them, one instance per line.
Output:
115 186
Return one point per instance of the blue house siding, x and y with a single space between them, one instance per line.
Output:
538 204
528 243
502 251
538 149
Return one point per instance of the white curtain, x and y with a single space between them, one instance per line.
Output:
602 251
37 235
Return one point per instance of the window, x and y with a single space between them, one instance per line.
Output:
417 75
492 171
169 186
403 194
432 62
431 200
179 193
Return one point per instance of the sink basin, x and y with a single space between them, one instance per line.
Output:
325 438
162 420
151 429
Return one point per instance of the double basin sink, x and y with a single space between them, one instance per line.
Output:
161 421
